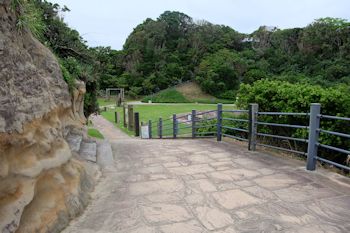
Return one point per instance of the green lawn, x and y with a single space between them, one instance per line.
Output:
92 132
154 111
104 102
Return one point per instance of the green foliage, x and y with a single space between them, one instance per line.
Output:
166 96
43 19
281 96
221 72
70 80
92 132
30 17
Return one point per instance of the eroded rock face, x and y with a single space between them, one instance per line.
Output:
42 185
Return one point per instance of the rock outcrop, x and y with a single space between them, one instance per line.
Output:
43 182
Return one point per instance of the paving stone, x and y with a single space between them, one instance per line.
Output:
302 193
191 170
213 218
205 186
231 199
157 186
202 185
276 181
165 213
188 227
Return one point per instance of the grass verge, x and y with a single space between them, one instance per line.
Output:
92 132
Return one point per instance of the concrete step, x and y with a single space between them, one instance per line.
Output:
74 141
88 151
104 154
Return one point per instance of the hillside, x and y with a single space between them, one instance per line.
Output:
163 52
188 92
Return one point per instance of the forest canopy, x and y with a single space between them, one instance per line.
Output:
163 52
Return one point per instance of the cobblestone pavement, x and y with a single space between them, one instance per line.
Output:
185 186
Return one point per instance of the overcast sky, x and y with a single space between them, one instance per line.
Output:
109 22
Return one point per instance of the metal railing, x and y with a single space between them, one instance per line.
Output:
244 125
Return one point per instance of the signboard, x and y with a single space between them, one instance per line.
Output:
145 132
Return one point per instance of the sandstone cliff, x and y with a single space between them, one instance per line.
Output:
43 183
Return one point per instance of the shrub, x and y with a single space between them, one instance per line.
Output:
279 96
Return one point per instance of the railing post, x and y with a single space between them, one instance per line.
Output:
174 126
160 128
193 119
314 125
124 116
116 117
137 124
219 123
130 117
253 115
150 129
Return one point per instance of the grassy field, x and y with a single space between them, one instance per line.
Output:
154 111
104 102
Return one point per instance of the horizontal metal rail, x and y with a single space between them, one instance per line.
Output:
334 117
283 125
242 111
197 133
184 116
334 148
206 119
163 129
234 119
201 113
181 122
284 113
234 137
163 125
282 137
281 148
334 133
333 163
205 136
237 129
203 126
185 127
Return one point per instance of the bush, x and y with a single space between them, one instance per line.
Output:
279 96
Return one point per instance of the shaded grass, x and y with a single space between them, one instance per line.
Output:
166 96
92 132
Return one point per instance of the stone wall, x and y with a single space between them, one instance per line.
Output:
43 184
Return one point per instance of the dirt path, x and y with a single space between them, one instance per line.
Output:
180 186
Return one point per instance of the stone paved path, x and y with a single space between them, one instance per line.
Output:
180 186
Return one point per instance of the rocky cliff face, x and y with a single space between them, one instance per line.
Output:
43 184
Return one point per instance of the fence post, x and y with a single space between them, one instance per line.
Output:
314 125
193 119
174 126
160 128
219 123
130 117
124 114
150 129
253 115
137 124
116 117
